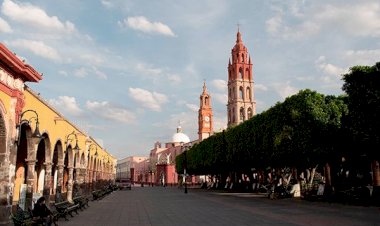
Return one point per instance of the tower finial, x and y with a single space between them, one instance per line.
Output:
238 35
204 86
179 128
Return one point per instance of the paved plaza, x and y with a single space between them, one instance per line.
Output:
169 206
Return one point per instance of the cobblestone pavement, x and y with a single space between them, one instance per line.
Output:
166 206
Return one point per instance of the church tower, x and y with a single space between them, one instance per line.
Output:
205 119
241 102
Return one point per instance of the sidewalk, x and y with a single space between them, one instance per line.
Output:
169 206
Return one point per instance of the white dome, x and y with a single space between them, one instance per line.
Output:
180 137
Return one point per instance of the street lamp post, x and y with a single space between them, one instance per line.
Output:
184 166
184 170
68 140
36 133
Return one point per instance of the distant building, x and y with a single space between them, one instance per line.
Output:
129 167
162 160
241 101
205 117
160 167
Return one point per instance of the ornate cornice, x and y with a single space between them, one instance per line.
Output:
20 69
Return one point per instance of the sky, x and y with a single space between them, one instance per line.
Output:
127 71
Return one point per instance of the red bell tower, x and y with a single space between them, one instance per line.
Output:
205 119
241 102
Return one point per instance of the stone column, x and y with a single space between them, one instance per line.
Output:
78 181
88 180
70 184
6 190
47 183
30 182
94 180
60 168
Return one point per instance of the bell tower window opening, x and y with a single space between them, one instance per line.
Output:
233 115
241 93
242 56
240 73
248 94
206 101
249 112
241 114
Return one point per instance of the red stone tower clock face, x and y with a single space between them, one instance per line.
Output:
207 121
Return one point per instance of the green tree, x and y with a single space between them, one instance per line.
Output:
362 86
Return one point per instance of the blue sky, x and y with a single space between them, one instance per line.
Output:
127 71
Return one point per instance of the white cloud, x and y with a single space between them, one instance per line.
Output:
186 119
141 23
358 19
220 122
332 71
191 70
273 25
221 98
4 26
260 87
64 73
34 16
192 107
106 110
84 72
81 72
37 47
99 74
261 106
203 15
362 57
285 89
66 104
148 69
220 85
108 4
173 78
150 100
92 59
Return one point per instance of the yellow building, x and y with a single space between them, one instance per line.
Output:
41 152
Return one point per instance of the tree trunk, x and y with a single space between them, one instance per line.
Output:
328 174
376 173
294 173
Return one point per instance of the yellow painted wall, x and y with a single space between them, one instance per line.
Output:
58 128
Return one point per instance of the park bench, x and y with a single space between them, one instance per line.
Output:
99 194
82 201
22 218
66 208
